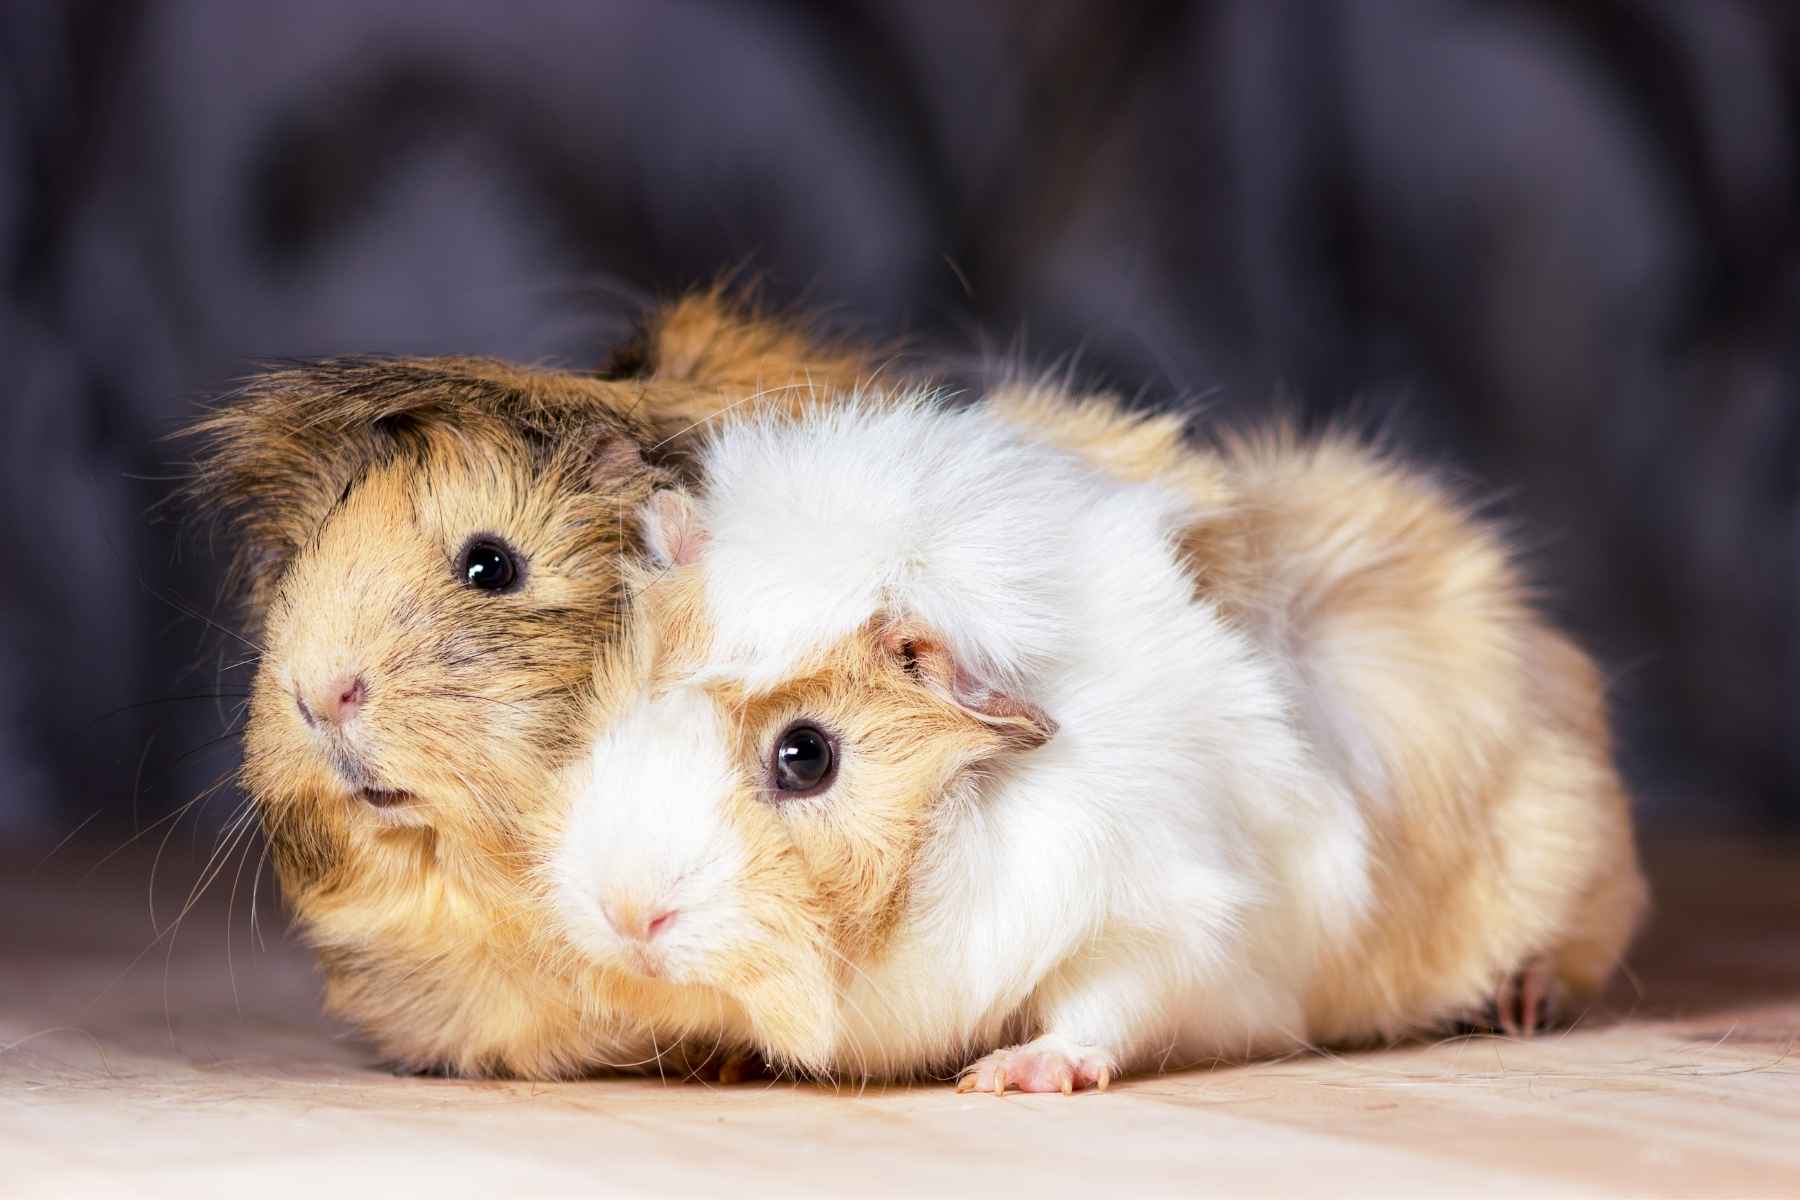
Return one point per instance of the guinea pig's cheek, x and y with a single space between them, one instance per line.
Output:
707 942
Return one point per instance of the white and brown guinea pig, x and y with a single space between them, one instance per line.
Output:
428 553
1028 744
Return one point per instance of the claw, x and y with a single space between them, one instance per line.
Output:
1505 1008
1524 1002
1531 998
1050 1064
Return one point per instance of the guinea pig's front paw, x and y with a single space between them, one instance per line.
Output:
1049 1064
1527 1001
415 1070
727 1067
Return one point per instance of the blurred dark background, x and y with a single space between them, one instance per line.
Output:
1555 247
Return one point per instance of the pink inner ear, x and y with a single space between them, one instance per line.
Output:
672 530
616 457
977 696
971 692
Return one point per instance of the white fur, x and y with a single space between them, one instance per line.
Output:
811 530
646 834
1156 880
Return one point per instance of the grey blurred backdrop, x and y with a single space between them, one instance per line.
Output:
1551 246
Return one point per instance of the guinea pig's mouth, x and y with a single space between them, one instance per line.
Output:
393 808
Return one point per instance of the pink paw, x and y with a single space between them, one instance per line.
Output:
1050 1064
1528 1001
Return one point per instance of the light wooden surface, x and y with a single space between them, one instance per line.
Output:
133 1066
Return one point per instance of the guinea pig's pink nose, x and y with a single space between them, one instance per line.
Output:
336 703
635 922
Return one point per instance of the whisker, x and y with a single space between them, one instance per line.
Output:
174 815
67 838
182 699
657 1050
761 393
157 937
156 862
220 856
255 882
197 615
137 783
248 840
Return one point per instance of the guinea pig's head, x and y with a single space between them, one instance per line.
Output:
430 551
422 648
758 838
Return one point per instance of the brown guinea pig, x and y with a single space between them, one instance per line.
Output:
427 554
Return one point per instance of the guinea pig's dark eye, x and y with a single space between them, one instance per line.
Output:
488 565
804 761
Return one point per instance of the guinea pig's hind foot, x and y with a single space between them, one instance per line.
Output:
1049 1064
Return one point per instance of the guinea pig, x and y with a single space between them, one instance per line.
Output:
1029 744
428 552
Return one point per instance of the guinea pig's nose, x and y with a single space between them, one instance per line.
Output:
335 704
635 922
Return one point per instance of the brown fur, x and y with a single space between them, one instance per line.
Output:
347 488
705 339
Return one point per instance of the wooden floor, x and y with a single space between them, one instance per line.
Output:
130 1065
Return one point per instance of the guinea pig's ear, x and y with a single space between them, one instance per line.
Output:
614 456
672 528
270 463
1020 724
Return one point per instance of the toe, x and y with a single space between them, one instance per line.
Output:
1047 1066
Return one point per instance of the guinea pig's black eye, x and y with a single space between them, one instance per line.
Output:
488 565
804 761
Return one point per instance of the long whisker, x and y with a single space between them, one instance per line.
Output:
156 862
173 815
197 615
760 394
657 1050
159 934
248 840
215 865
67 838
255 882
229 735
862 1014
719 1041
125 708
